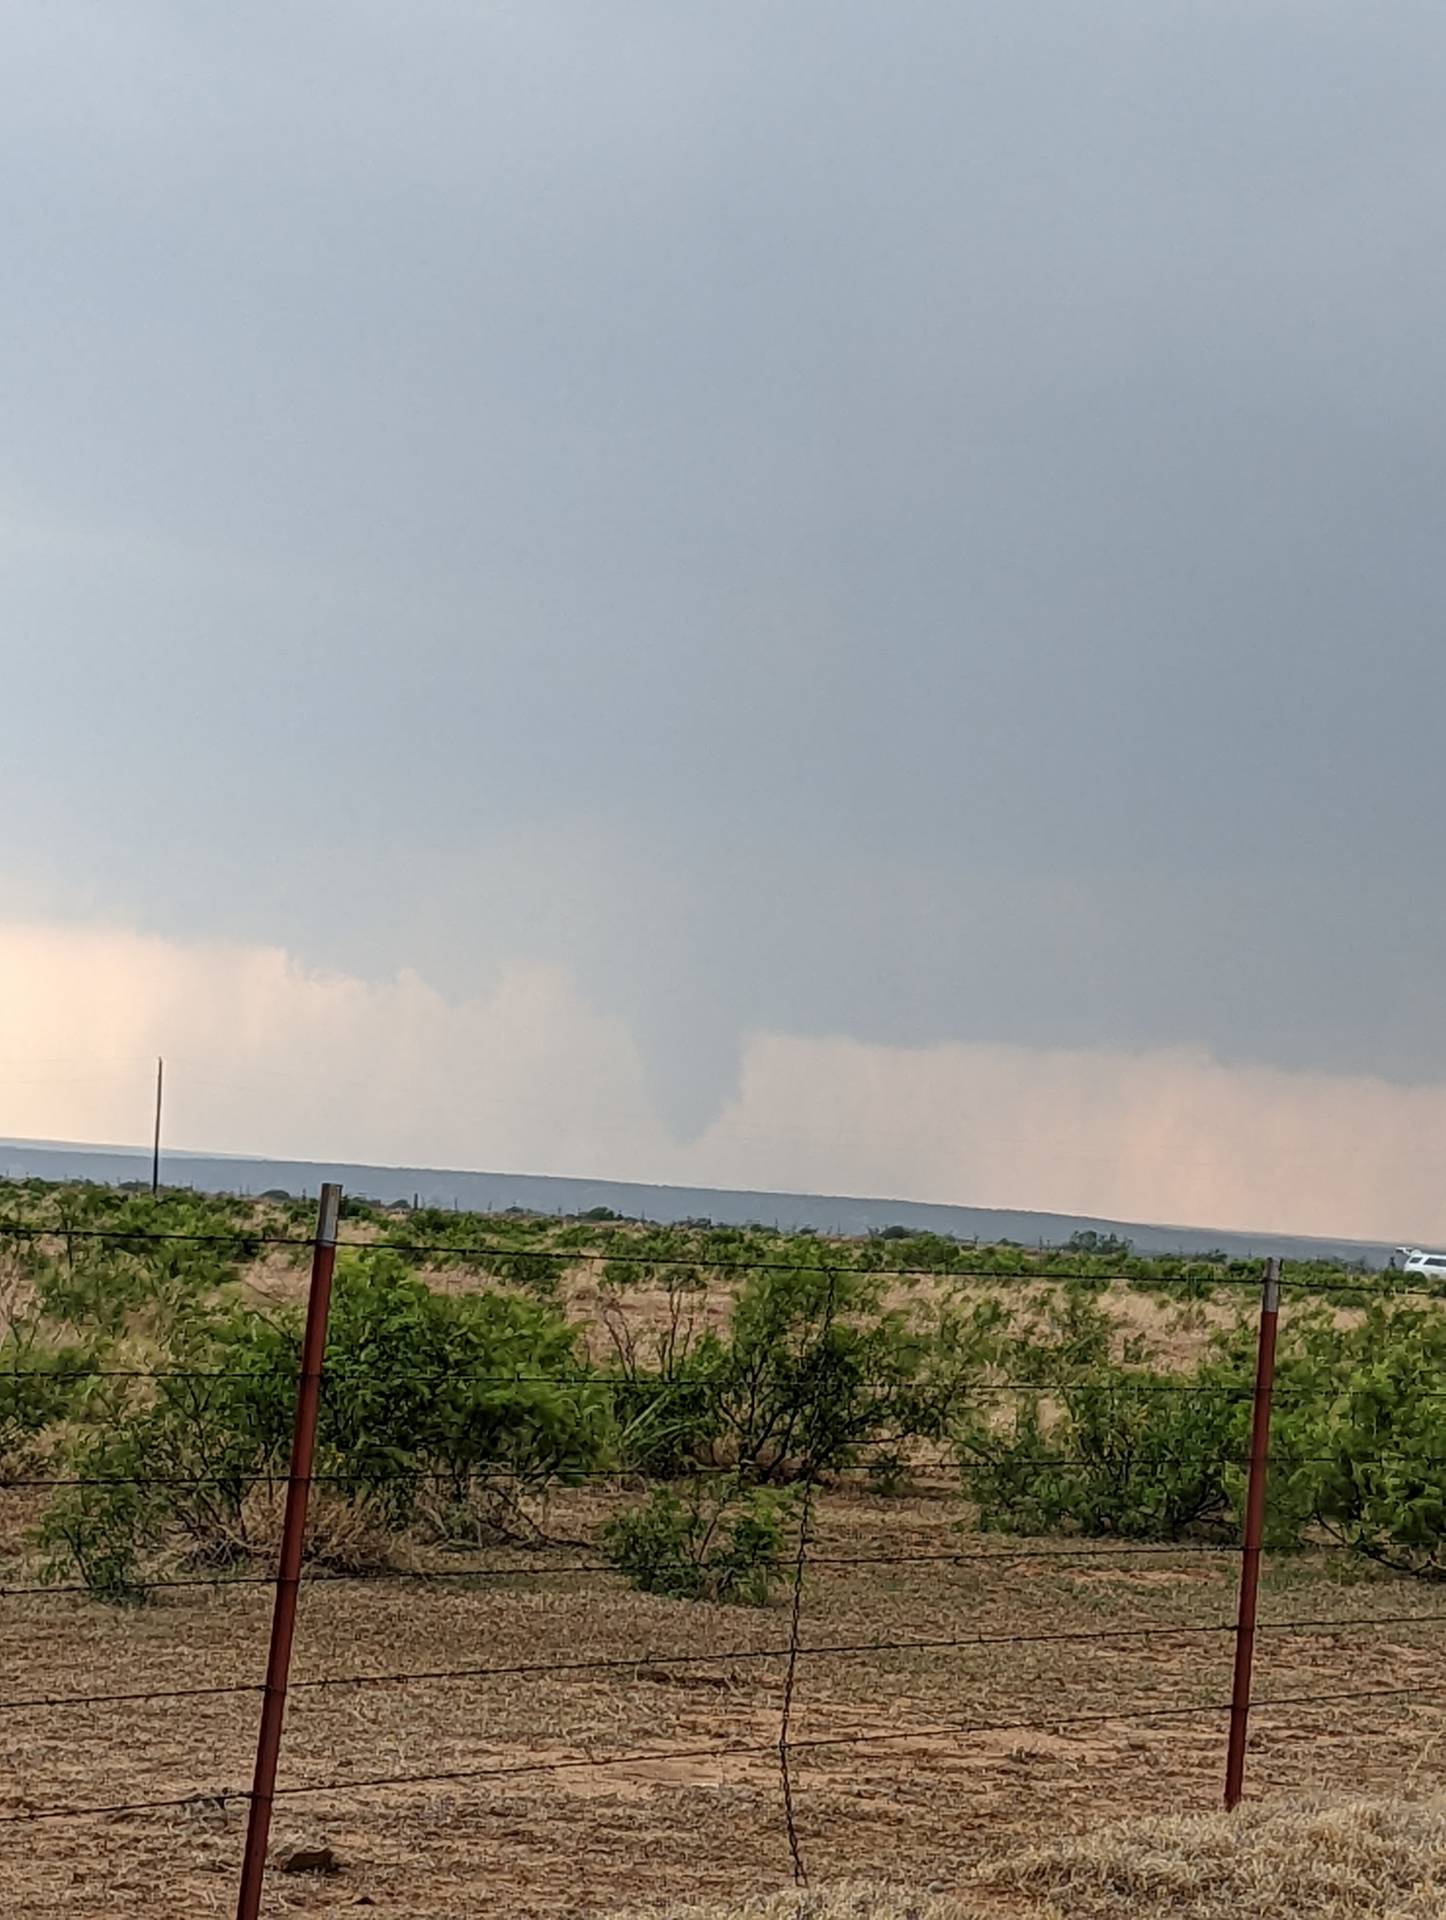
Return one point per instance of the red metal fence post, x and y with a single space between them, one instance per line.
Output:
293 1537
1254 1528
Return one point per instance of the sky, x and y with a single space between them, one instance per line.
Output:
815 595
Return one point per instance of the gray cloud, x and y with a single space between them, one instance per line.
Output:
914 523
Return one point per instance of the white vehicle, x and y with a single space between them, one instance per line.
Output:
1416 1260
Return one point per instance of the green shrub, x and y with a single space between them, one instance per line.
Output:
813 1375
666 1374
468 1389
1358 1439
721 1542
440 1411
509 1250
913 1251
1126 1455
38 1388
97 1272
1106 1246
356 1207
1103 1442
1067 1335
798 1381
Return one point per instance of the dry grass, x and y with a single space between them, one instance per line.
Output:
1336 1860
1346 1860
862 1902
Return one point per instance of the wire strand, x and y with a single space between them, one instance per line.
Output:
871 1736
554 1478
942 1557
663 1659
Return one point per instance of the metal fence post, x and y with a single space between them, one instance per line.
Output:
1254 1528
293 1537
156 1138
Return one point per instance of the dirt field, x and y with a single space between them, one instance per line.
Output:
919 1801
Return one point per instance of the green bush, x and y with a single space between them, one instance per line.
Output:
720 1541
511 1251
666 1374
815 1373
1358 1439
1126 1455
97 1272
440 1411
1106 1246
1103 1442
468 1389
808 1357
38 1388
904 1249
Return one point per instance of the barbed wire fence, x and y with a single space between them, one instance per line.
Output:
794 1653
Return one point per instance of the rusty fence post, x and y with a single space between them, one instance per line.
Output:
1254 1528
288 1572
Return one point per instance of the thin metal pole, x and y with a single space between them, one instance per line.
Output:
156 1143
1254 1529
293 1535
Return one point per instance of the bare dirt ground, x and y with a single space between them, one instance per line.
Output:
930 1774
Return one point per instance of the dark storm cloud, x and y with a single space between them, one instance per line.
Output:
916 522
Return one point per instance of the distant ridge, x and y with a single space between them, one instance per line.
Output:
549 1193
